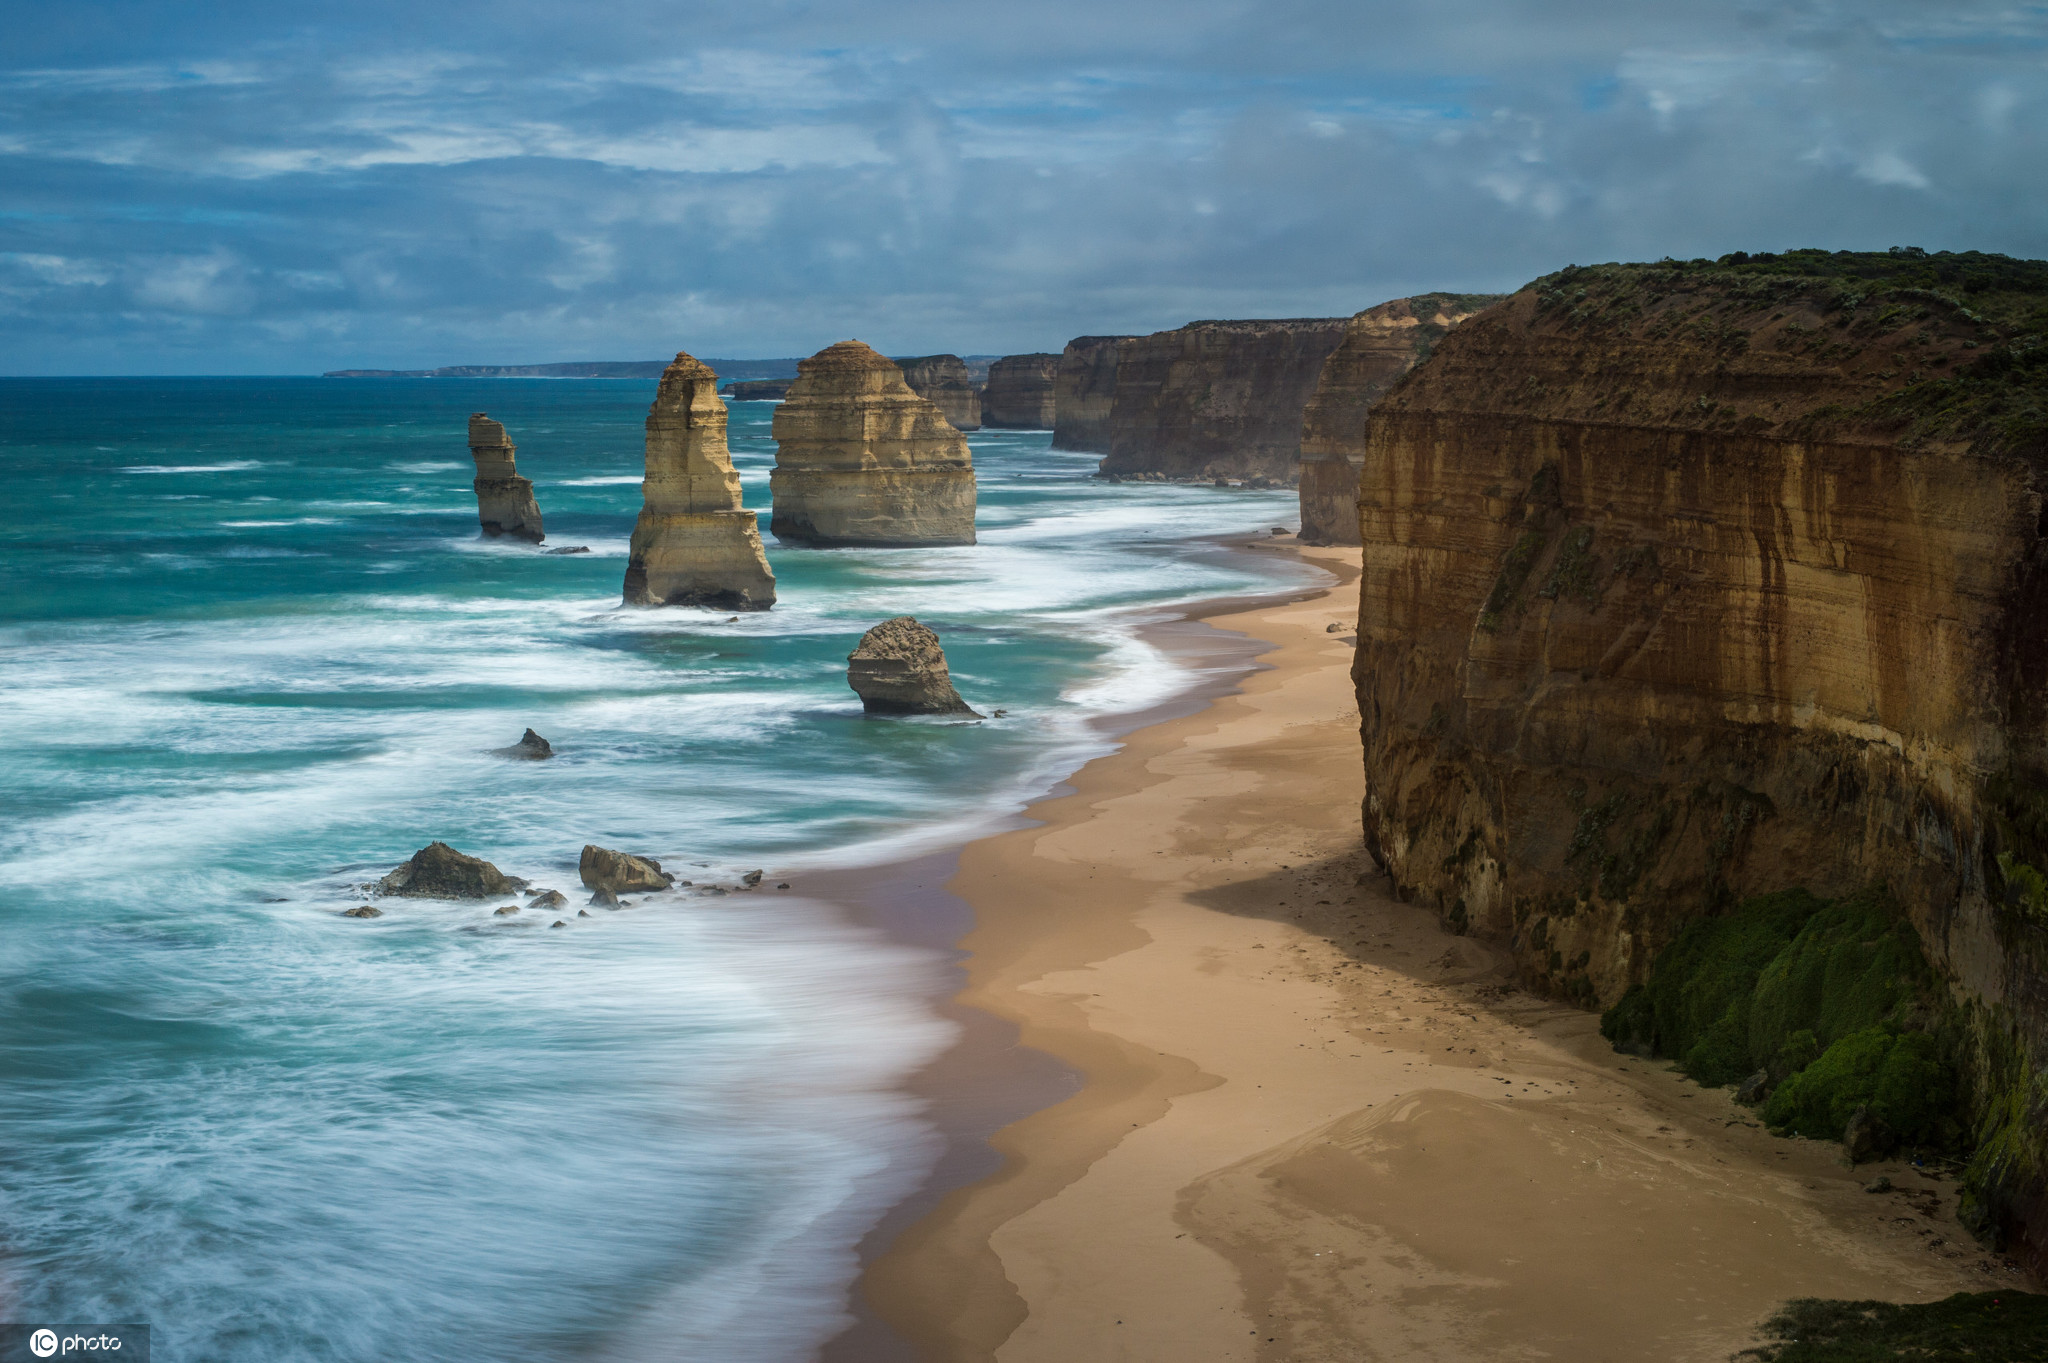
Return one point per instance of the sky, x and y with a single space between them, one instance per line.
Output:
271 187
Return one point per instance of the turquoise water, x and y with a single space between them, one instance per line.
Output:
255 654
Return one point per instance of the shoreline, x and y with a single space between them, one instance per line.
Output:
1275 1155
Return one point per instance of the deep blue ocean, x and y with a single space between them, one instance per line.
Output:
253 654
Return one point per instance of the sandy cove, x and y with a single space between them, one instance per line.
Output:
1314 1124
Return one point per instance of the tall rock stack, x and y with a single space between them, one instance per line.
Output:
1084 388
863 460
1218 399
943 381
504 500
1020 392
694 545
1379 346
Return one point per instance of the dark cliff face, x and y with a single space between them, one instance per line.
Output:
1217 399
1380 345
1685 583
1020 392
1083 391
943 381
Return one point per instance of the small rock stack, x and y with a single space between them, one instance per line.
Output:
899 669
504 500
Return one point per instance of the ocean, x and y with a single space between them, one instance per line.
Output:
254 654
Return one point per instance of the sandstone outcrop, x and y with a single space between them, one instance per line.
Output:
943 381
1019 394
604 869
899 669
1217 399
504 500
438 871
1379 346
1688 582
1084 390
694 545
862 460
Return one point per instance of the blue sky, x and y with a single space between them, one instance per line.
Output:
284 188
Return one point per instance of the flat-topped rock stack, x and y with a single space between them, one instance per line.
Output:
1020 392
864 461
899 669
504 500
694 545
943 381
1379 346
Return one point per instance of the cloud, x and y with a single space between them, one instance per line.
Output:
278 188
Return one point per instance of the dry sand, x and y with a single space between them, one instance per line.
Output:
1315 1125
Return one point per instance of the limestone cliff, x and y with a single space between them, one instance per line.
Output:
694 545
1692 581
862 460
1084 389
504 500
943 381
1379 346
1020 392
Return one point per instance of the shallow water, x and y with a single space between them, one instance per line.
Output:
255 654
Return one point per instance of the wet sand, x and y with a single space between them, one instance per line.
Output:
1313 1125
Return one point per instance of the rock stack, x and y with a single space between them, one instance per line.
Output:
862 460
1379 346
943 381
694 545
1084 390
899 669
504 500
1020 392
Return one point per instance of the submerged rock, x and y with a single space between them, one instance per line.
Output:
548 899
943 381
438 871
509 908
604 898
604 869
531 747
863 460
899 669
504 500
694 544
363 911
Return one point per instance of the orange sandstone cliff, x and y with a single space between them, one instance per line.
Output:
1693 581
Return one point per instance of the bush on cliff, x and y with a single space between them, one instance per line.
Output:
1899 1076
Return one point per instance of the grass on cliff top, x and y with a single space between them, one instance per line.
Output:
1997 401
1977 1327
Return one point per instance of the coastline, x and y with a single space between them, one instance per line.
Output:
1310 1122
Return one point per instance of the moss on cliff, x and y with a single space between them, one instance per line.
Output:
1988 1327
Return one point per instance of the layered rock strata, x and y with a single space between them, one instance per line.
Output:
1218 399
900 669
694 545
944 382
504 500
862 460
1084 391
1379 346
1020 392
1691 582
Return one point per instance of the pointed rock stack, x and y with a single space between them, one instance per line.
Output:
863 460
694 545
504 500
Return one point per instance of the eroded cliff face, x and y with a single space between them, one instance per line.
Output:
1380 345
943 381
1020 392
1217 399
1084 389
1682 585
693 544
504 500
862 460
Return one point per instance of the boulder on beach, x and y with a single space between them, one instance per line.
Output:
531 747
438 871
899 669
604 869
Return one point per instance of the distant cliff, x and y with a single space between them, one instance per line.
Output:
1686 582
1020 392
758 390
1217 399
1380 345
575 369
1083 390
944 381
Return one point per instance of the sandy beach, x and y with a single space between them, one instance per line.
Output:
1315 1125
